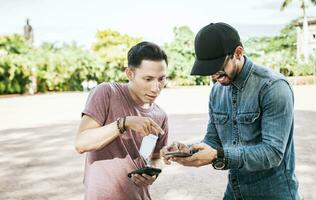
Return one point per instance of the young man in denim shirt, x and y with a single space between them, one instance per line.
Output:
251 120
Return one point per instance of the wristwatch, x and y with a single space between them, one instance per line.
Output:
219 162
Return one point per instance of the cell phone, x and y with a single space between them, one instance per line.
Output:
151 171
178 154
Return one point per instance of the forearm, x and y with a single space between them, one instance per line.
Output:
253 158
211 137
212 141
96 138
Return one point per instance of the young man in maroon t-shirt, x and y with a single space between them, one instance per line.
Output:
114 121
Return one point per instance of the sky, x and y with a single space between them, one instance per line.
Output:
65 21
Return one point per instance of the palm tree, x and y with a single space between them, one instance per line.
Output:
303 6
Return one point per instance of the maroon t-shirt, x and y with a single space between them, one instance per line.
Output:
106 169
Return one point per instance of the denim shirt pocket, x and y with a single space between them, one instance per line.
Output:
249 127
219 118
220 122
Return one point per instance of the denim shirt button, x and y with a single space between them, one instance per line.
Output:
234 101
235 121
234 142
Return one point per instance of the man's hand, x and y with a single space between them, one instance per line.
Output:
204 156
143 180
143 125
175 146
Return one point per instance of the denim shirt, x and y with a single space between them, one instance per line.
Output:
252 120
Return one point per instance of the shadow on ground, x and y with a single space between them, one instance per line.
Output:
41 163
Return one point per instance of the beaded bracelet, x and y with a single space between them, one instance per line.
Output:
124 120
118 122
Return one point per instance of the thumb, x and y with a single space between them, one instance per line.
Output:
197 147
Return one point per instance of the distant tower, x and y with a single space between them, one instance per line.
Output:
28 32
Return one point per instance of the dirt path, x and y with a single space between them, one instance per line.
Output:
38 161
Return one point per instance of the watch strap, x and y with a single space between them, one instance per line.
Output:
220 153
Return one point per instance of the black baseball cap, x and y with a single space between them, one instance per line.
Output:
212 44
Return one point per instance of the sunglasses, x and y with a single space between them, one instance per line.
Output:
222 72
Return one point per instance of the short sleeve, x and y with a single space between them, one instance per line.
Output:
97 105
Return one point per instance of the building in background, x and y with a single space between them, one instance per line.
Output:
306 42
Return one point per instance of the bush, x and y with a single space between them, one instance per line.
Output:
181 57
53 68
112 48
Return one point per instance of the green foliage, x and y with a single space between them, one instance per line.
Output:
64 68
54 69
13 44
112 48
14 68
181 57
14 74
279 52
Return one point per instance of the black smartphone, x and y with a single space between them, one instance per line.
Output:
178 154
151 171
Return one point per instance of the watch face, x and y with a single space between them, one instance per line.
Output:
219 164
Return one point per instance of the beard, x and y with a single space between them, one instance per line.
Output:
233 73
229 76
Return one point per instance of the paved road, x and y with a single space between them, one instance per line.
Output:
38 161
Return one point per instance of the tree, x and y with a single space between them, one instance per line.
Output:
112 48
181 57
303 6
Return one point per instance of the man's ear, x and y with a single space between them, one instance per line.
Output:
239 52
130 73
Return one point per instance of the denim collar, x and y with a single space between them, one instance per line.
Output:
241 79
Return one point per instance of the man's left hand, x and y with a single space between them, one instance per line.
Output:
204 156
143 180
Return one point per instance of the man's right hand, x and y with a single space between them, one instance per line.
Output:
143 125
175 146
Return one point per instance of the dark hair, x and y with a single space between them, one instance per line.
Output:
145 51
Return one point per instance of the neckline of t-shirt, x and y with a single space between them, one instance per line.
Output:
129 96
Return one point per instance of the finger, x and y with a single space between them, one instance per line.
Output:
139 180
165 158
135 180
150 178
147 129
198 147
156 126
173 147
143 131
192 158
154 130
183 148
144 128
166 161
163 151
177 159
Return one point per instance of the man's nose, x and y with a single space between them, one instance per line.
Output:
156 86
